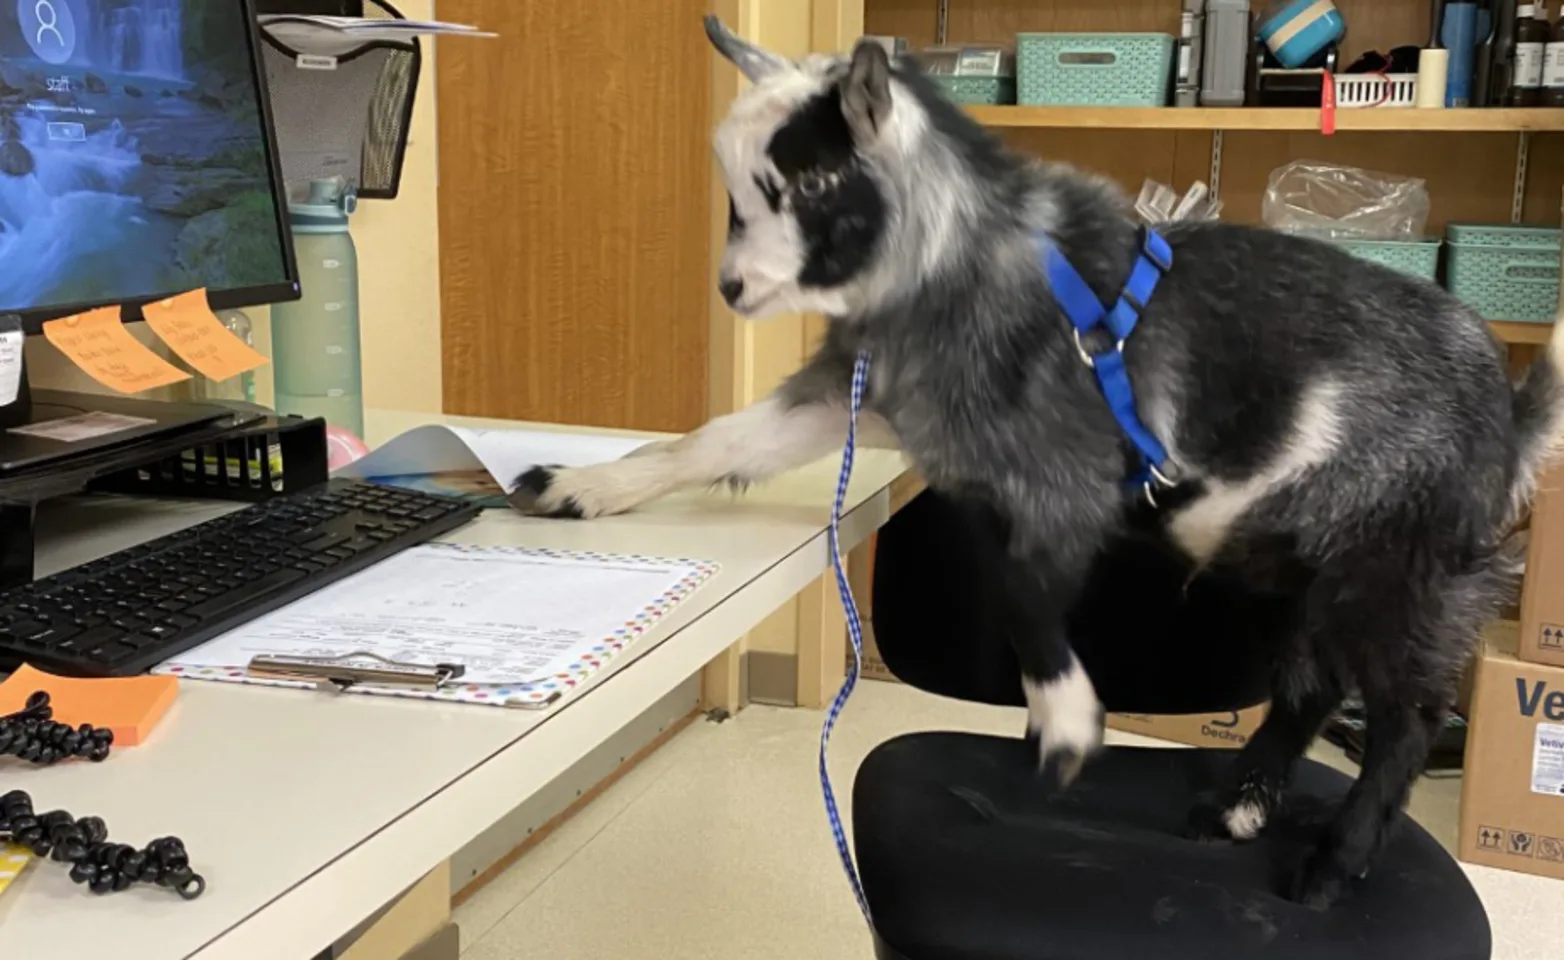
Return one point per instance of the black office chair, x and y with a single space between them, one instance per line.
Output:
965 855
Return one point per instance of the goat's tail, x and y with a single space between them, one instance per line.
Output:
1538 405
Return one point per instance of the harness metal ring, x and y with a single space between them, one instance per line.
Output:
1080 348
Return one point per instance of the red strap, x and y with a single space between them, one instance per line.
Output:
1328 104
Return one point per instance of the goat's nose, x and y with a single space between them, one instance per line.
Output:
731 290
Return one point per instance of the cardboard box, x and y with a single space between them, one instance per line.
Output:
1231 730
860 576
1542 599
1512 793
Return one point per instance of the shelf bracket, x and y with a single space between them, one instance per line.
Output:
1522 160
941 22
1216 165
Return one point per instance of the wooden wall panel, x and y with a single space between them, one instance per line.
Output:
1470 176
575 206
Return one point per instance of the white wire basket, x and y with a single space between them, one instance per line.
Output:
1365 90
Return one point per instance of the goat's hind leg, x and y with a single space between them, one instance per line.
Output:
1253 784
1407 636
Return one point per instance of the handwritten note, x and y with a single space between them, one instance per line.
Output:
97 342
191 330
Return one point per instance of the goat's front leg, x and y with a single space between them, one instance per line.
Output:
1034 567
754 444
802 421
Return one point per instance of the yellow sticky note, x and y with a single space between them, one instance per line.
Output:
187 324
13 859
97 342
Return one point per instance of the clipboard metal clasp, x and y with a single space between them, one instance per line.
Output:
354 669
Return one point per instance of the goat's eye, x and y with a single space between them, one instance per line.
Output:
735 223
811 185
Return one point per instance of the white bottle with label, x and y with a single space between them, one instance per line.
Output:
1553 66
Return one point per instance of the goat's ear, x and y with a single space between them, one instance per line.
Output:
866 91
752 61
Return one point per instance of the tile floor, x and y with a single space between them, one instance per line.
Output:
716 846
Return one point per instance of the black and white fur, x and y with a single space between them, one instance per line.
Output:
1327 417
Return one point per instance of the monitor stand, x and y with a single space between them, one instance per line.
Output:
45 427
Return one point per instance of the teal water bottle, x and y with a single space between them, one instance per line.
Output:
315 346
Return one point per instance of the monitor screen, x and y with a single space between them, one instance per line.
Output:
136 156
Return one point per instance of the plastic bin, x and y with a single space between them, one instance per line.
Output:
979 90
1418 258
1506 272
1094 69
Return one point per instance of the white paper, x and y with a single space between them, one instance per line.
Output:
87 426
11 345
510 616
303 30
1547 760
505 454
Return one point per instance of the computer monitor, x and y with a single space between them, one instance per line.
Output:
137 157
137 160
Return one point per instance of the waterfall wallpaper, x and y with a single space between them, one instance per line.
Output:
132 152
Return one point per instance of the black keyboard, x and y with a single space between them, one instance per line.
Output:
129 611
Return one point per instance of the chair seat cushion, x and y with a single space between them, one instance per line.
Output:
964 854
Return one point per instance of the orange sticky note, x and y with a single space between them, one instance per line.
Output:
192 330
130 706
98 343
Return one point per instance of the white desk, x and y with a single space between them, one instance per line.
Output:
307 812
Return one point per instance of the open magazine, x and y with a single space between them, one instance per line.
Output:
481 465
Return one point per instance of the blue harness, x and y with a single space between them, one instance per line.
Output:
1088 315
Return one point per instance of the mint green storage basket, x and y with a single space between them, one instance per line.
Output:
1418 258
1505 272
994 91
1093 69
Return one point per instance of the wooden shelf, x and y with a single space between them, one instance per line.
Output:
1517 332
1405 119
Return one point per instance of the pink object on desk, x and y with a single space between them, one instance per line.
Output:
342 448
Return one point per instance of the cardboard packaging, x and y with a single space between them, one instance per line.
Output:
1512 794
1229 730
860 576
1542 601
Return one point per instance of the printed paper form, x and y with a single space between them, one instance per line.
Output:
508 615
505 454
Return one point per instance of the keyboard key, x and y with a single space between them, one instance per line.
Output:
89 639
52 635
112 652
248 594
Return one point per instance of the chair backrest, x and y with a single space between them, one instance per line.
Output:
1154 637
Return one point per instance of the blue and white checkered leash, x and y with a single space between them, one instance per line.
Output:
854 631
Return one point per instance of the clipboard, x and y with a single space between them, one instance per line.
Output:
359 669
341 639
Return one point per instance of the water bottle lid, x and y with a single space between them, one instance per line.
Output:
326 209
